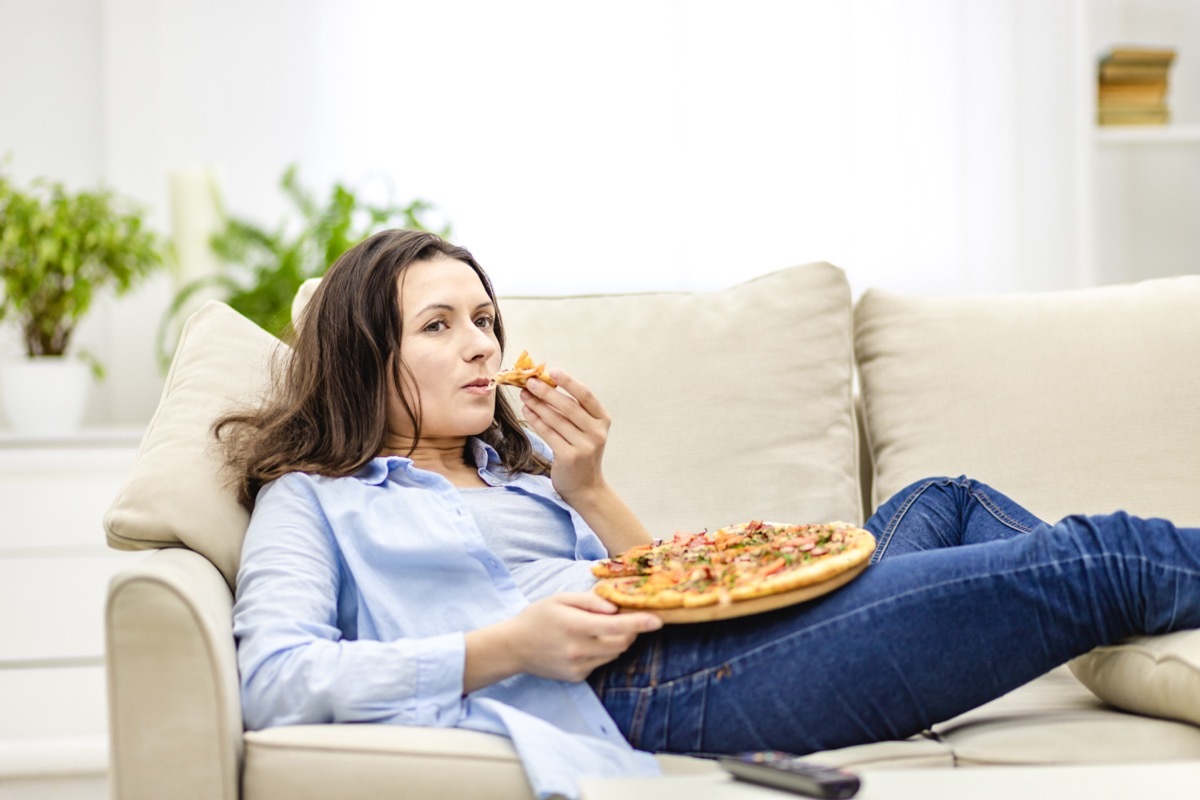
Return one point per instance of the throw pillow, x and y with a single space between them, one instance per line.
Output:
177 493
1154 675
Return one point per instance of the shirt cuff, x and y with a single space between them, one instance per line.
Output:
440 663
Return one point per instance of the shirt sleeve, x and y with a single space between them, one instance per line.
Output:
296 665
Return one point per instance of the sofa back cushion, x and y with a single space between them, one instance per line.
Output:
1082 401
727 405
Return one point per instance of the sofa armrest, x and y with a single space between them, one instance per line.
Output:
175 721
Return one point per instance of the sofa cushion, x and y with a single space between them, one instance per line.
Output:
322 761
177 494
726 405
368 761
1075 401
1155 675
1055 720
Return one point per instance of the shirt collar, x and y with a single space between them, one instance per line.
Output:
484 453
376 471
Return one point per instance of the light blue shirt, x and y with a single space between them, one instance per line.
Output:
535 538
353 598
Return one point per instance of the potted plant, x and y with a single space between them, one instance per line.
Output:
265 267
57 249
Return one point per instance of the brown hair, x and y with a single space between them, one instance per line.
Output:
328 413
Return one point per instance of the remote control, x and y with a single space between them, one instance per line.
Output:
786 771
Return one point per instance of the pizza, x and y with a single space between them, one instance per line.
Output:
522 370
732 564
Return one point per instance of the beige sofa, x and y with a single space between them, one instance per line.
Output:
727 405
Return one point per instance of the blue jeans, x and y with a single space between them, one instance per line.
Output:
969 597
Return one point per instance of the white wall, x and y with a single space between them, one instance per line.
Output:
922 145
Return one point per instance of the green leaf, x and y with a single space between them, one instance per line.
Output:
57 249
264 268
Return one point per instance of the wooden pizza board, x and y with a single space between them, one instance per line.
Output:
757 605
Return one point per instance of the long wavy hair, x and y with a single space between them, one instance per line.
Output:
327 413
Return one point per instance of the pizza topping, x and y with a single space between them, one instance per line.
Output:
522 370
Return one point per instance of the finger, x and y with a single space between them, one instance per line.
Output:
567 429
579 390
565 414
588 601
549 434
548 399
630 624
563 401
610 646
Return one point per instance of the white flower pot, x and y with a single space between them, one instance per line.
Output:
44 396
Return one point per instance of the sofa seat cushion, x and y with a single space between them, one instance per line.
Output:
1056 720
917 752
1049 721
378 761
385 761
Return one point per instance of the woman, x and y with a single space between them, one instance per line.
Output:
416 556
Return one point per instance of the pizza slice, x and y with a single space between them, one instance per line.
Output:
522 370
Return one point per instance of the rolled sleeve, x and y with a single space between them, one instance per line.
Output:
437 691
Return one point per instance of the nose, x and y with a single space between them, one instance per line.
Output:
481 345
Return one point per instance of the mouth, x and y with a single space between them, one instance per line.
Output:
479 383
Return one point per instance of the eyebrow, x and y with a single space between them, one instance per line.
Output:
448 307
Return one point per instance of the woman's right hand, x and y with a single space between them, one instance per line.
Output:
564 637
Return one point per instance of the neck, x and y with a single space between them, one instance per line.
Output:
441 455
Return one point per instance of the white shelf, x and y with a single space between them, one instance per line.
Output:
1148 134
127 436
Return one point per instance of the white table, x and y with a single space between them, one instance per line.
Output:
1180 779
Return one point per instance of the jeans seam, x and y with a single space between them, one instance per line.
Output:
998 513
894 523
982 497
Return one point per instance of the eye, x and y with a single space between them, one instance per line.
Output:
485 321
435 326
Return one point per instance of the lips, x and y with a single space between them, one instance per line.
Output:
478 383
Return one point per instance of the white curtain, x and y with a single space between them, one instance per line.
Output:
922 145
624 145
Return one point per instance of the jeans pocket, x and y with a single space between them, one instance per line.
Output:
669 717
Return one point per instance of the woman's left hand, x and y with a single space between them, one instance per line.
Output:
575 425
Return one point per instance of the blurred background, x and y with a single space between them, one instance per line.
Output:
921 145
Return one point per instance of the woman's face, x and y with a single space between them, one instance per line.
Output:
448 345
